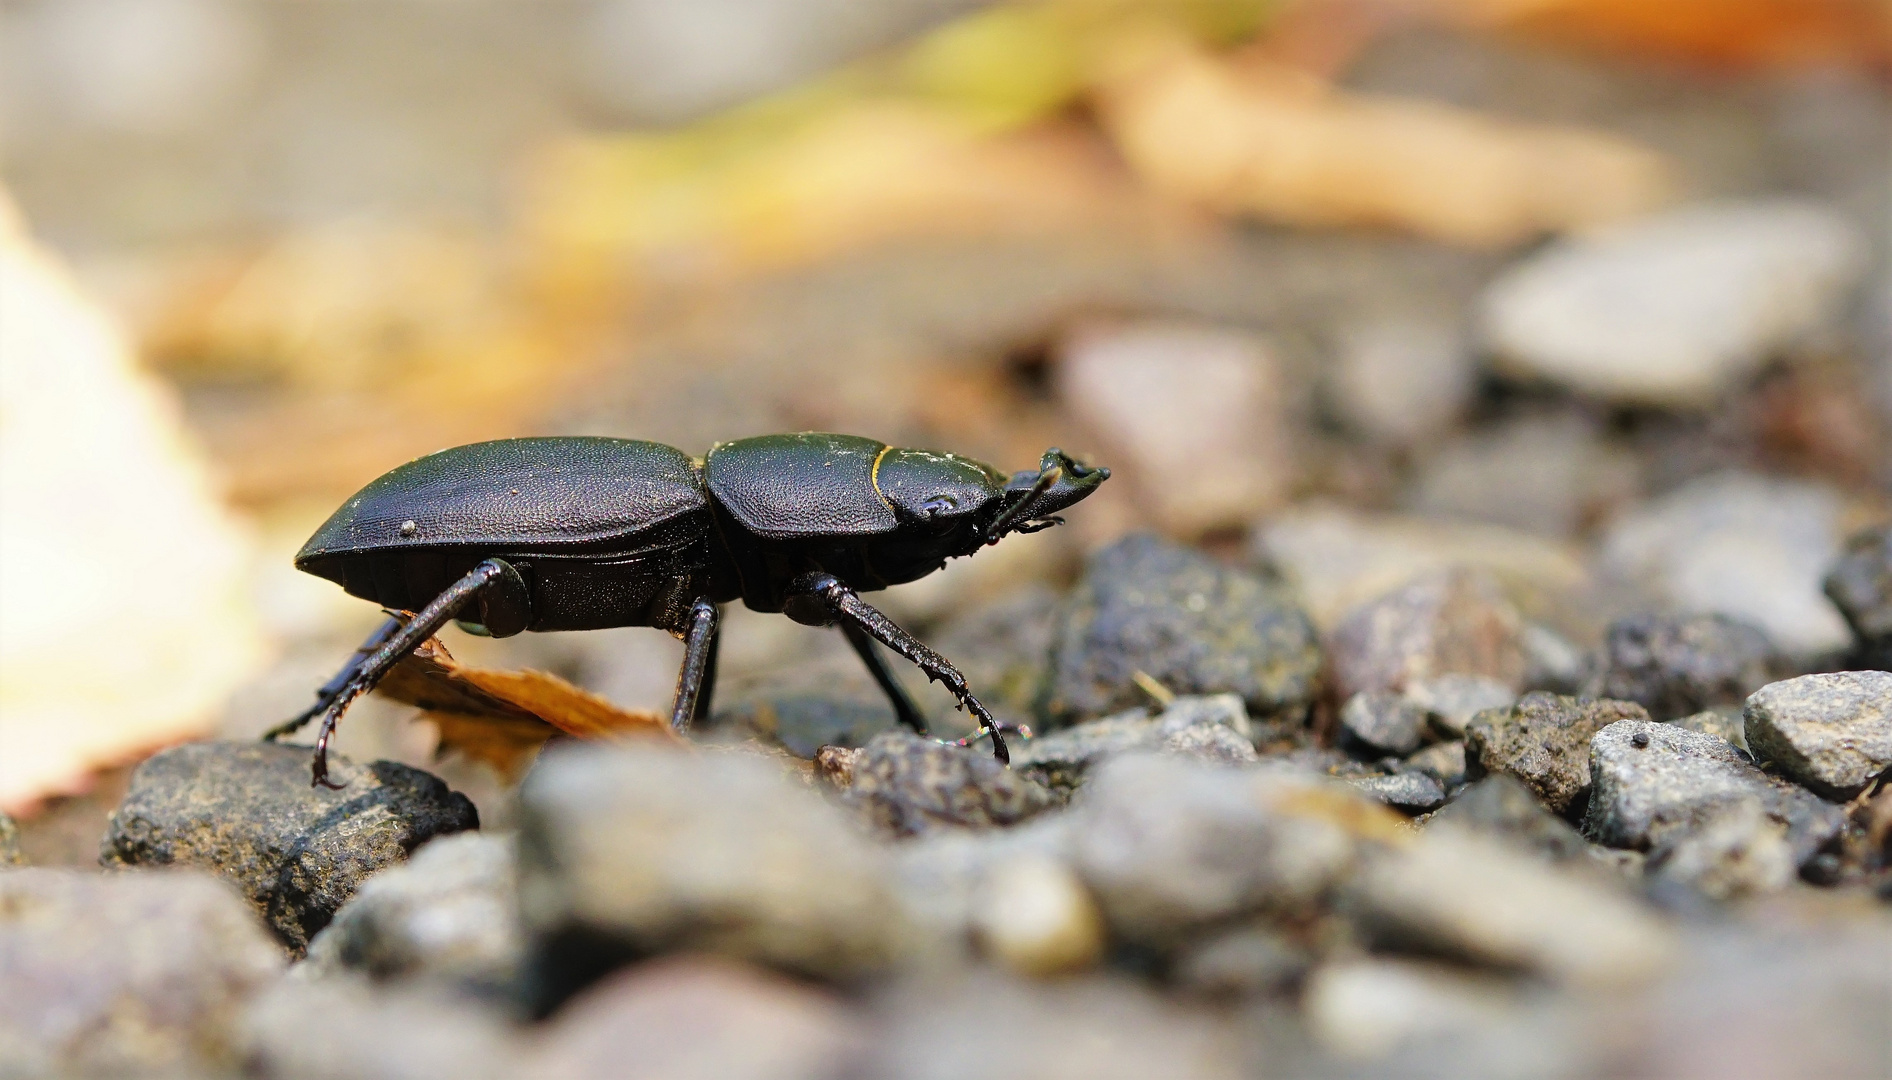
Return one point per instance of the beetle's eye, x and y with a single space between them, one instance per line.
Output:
939 504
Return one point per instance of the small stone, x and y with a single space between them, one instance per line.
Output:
1451 701
1169 845
1722 721
1360 1010
700 1018
1677 307
1209 728
1382 722
1501 805
1753 548
350 1029
1544 740
1736 851
1150 607
1170 397
1860 585
1241 962
449 913
1411 792
1444 762
1463 895
1677 665
1397 381
985 1025
906 784
141 974
1551 661
1033 915
1455 622
942 879
1832 733
1641 795
1539 473
630 851
246 811
10 854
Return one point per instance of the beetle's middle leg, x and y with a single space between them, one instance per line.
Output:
847 607
696 679
503 599
327 691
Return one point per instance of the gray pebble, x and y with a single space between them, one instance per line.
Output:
350 1029
449 913
1653 779
1831 732
906 784
700 1018
1456 621
1383 722
1544 740
138 974
1860 585
1677 665
1413 792
1452 700
1722 721
1212 728
1170 845
246 811
1501 805
1736 851
1240 962
1444 762
629 851
1150 607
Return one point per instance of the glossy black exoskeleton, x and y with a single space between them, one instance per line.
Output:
586 533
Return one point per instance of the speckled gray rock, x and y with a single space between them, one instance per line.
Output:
246 811
627 851
141 974
1860 585
1169 845
1452 622
1736 851
1195 626
1452 700
1722 721
347 1028
1501 805
1444 762
1073 1029
1652 779
1831 732
449 913
1239 962
1544 740
1465 895
1677 665
1382 722
1413 792
1213 728
10 854
700 1018
906 784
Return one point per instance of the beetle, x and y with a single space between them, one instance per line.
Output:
584 533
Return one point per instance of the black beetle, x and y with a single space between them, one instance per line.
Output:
583 533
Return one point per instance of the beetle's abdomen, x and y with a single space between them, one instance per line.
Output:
514 494
783 487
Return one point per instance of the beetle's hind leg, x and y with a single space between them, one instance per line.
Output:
903 706
847 607
501 592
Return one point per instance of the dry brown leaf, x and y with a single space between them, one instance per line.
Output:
504 717
1264 140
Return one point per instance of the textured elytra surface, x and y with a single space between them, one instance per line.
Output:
246 812
542 491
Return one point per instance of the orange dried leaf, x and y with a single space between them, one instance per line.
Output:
504 717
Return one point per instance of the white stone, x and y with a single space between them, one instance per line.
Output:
1673 308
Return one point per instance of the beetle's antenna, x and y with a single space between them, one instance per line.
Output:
1003 524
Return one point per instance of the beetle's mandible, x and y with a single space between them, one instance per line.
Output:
585 533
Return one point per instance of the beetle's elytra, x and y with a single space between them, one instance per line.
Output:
586 533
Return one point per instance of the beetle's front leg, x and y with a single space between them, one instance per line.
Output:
505 588
847 607
327 691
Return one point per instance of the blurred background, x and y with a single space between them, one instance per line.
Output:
1590 293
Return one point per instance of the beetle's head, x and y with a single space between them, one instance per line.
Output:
1030 499
936 493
